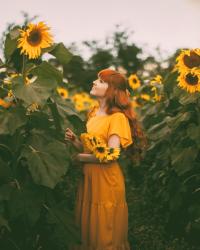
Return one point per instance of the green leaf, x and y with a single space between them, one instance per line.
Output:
187 98
47 159
193 131
182 159
37 92
46 71
61 53
4 223
56 117
10 46
14 33
5 192
66 231
26 202
5 171
159 131
12 119
174 122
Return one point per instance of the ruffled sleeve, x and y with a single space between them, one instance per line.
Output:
119 124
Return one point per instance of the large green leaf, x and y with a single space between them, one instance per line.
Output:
187 98
37 92
64 113
12 119
181 117
5 192
66 231
5 171
27 203
46 71
47 159
9 47
159 131
4 223
61 53
182 159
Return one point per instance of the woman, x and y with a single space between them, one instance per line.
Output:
101 209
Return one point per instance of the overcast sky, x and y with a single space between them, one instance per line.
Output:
169 24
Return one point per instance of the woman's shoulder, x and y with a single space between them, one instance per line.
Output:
118 115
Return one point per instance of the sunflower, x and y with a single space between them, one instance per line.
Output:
63 92
134 81
113 153
8 80
90 141
82 101
187 60
156 97
101 152
189 80
98 147
33 39
145 97
156 80
10 93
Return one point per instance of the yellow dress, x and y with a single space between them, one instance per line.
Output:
101 210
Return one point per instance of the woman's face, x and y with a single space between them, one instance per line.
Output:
99 88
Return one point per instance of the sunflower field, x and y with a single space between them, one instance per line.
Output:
44 88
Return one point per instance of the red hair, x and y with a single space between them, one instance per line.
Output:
118 100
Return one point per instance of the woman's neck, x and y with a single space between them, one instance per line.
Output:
102 106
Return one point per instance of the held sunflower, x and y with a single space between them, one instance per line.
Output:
101 152
113 153
33 39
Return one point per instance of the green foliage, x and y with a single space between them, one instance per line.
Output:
172 160
34 159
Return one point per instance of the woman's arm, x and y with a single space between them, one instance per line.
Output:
113 141
90 158
78 144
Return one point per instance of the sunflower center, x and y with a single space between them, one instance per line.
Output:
134 81
191 79
34 38
101 149
192 61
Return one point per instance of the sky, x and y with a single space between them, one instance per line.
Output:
170 24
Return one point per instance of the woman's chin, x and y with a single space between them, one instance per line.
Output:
92 93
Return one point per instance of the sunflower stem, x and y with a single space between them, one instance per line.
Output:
23 69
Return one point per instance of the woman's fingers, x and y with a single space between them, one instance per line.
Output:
69 135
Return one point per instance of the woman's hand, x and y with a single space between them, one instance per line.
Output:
72 138
69 135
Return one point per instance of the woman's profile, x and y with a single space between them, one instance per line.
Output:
101 209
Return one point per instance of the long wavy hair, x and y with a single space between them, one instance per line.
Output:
118 100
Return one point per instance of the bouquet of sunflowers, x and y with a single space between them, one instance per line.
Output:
99 148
